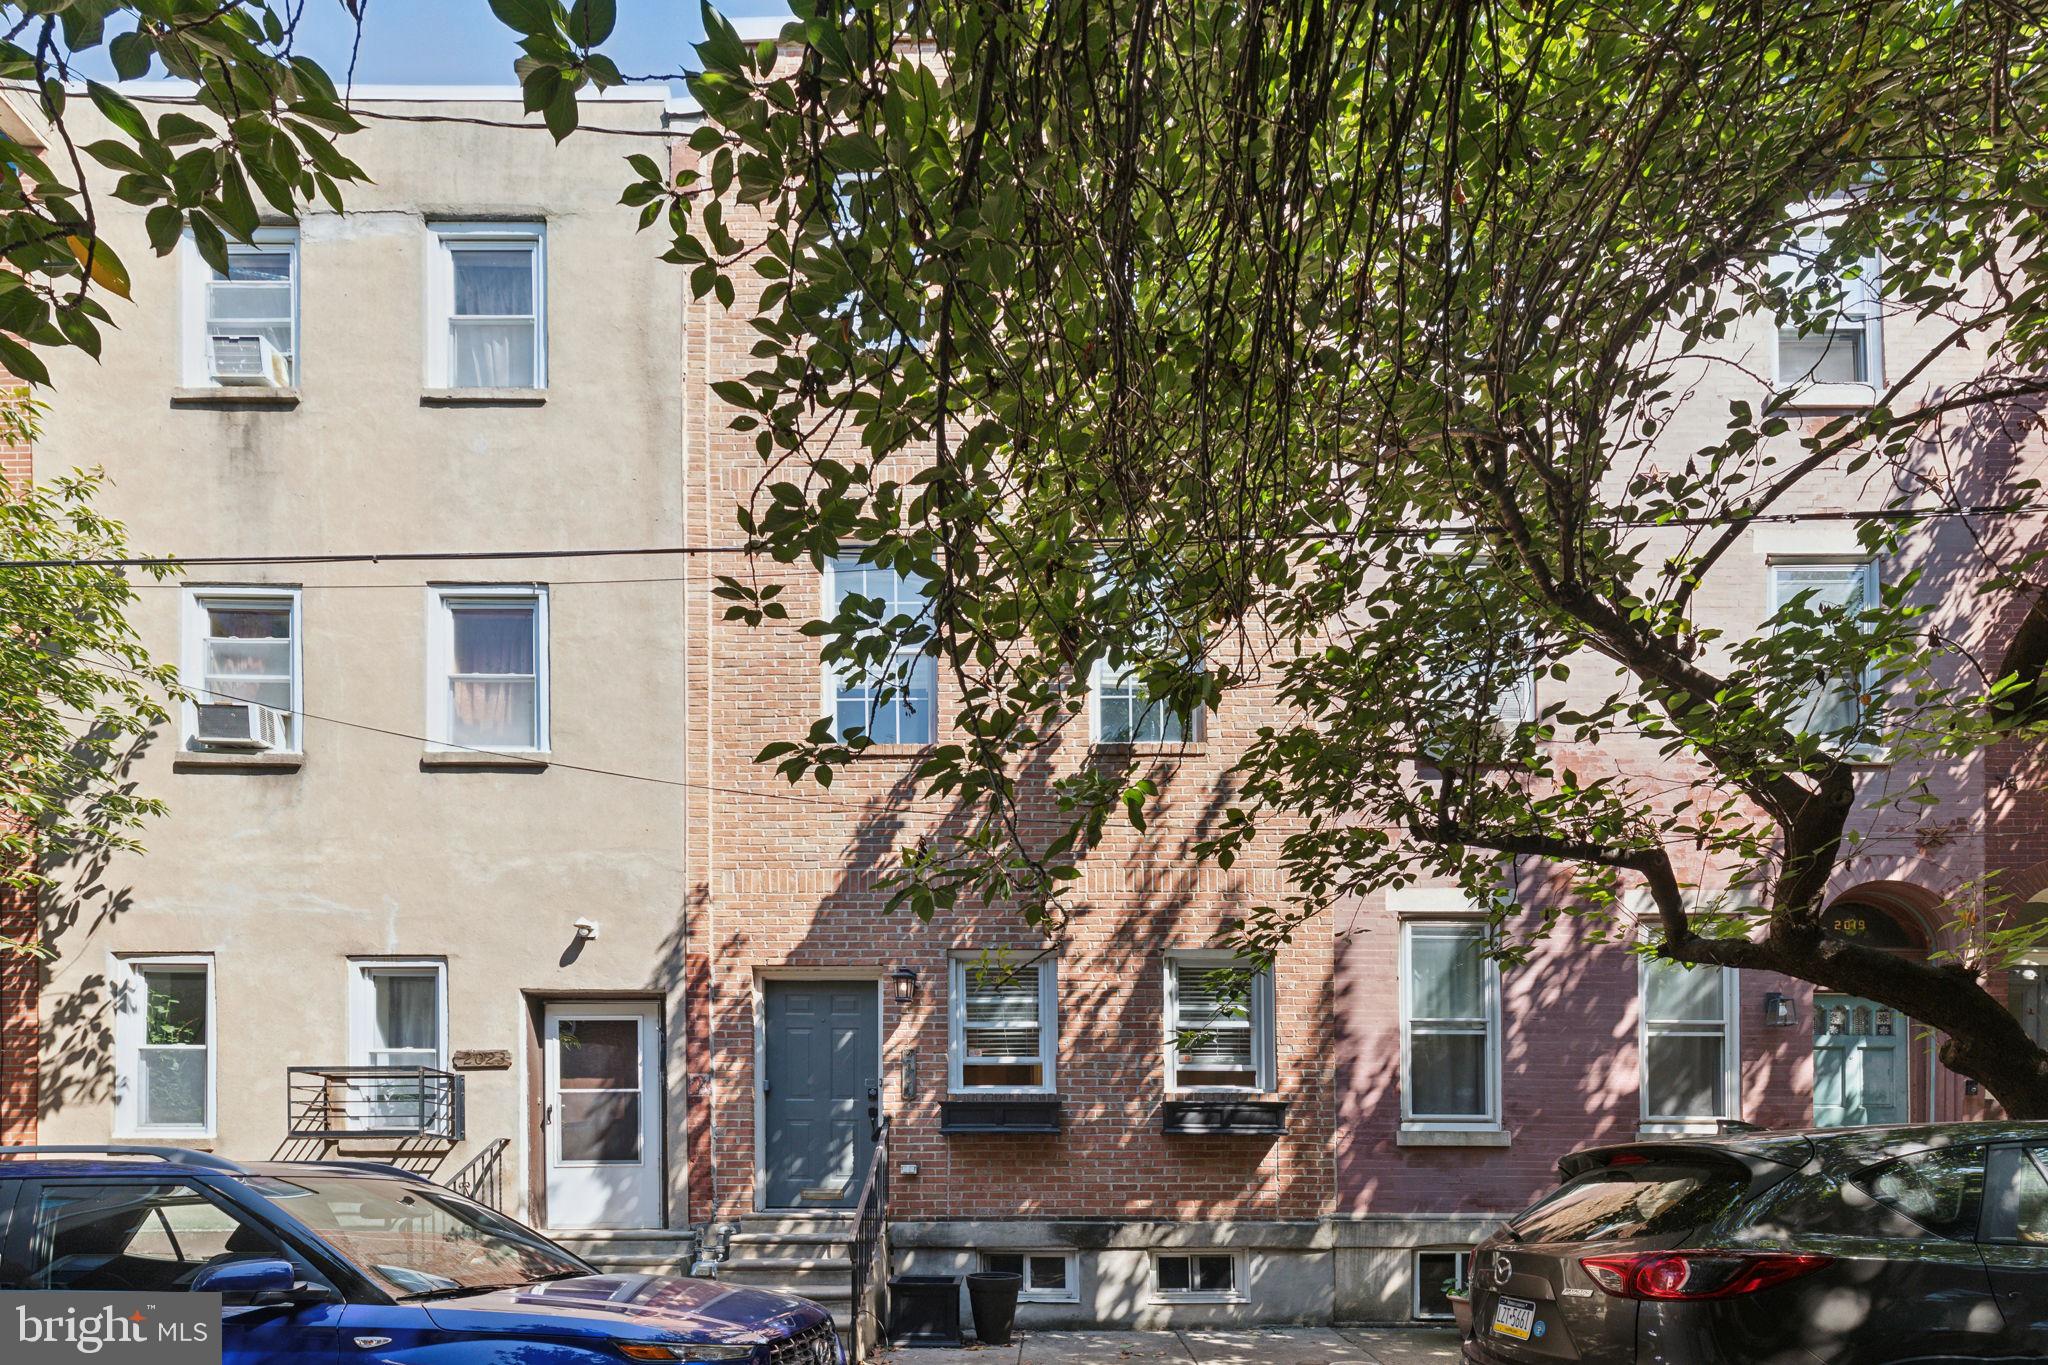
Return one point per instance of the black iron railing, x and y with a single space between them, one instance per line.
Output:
483 1179
335 1102
871 1251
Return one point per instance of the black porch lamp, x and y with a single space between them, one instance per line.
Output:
1777 1011
906 984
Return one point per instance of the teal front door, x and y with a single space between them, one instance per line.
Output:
1859 1062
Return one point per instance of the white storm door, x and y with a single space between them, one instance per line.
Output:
602 1115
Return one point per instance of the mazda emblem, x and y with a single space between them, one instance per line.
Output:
1503 1269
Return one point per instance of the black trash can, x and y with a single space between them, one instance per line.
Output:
993 1296
924 1310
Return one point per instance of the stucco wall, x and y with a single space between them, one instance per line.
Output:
364 850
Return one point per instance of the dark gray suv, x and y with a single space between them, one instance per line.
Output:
1865 1246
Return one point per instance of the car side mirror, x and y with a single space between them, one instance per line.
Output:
264 1281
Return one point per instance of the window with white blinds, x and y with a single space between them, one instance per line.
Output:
1849 585
1220 1022
1004 1023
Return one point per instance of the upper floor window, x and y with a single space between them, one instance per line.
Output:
1835 333
240 661
1125 714
487 323
1450 1024
1004 1024
1221 1023
891 700
487 678
1688 1042
1847 587
163 1045
242 327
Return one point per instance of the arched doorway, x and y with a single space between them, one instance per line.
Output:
1865 1054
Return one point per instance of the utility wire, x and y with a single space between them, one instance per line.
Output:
513 760
1395 531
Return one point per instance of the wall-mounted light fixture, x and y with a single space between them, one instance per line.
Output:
1777 1011
906 984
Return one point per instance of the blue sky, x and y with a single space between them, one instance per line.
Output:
437 42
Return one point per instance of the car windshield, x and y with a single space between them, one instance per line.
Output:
1650 1199
417 1239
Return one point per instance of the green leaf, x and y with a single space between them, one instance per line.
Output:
212 247
560 114
591 21
21 362
131 54
525 16
105 269
165 225
119 111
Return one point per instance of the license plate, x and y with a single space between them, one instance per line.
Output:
1514 1318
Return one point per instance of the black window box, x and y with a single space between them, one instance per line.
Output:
1226 1118
999 1116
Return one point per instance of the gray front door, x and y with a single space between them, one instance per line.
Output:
819 1082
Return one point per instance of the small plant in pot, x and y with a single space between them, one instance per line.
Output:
1461 1303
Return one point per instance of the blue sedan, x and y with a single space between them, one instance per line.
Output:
325 1262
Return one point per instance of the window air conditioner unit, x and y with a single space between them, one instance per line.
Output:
240 725
247 360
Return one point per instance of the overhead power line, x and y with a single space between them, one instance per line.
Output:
1384 531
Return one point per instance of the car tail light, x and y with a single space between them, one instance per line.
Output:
1698 1274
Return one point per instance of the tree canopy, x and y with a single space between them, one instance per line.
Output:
1392 357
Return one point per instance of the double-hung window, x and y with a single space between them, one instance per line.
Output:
892 699
163 1045
1219 1022
1125 714
487 326
1688 1043
1450 1025
1121 708
1005 1024
1837 336
1848 586
241 651
487 683
397 1021
242 327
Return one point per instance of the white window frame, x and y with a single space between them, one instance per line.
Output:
1235 1294
1103 676
442 599
362 1002
1029 1294
125 972
1873 594
1834 392
446 238
1260 1003
832 682
196 276
1729 1031
1463 1260
1047 969
1490 1120
192 651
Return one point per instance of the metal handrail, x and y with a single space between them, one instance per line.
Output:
870 1222
482 1179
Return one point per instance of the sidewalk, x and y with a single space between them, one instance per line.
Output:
1246 1346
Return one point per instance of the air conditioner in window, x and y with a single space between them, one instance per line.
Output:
247 360
240 725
